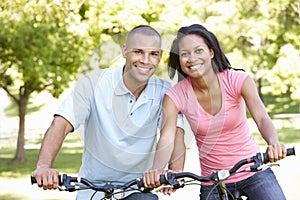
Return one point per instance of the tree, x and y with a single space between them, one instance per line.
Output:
43 44
264 29
286 71
40 49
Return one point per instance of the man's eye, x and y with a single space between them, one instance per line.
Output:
137 52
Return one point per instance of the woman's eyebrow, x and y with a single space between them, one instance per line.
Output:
196 47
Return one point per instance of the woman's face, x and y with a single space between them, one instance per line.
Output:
195 56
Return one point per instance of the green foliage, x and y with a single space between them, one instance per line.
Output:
255 30
41 50
45 44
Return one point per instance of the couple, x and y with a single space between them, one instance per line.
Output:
123 108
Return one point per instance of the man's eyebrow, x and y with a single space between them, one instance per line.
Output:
137 49
145 49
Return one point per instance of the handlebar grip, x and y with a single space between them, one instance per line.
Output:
33 180
289 152
163 179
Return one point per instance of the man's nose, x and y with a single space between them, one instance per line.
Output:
145 58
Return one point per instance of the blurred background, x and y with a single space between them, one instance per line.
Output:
46 45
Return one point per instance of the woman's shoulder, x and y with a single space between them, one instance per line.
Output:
232 74
234 71
185 81
233 80
182 84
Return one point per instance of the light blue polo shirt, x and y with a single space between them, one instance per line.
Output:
119 131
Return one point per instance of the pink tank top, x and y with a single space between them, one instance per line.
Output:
222 139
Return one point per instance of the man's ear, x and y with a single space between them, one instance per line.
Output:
124 51
161 53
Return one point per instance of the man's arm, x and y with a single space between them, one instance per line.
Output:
44 174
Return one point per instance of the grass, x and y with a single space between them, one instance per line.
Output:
277 104
67 161
286 136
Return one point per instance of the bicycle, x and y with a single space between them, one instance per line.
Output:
169 179
218 177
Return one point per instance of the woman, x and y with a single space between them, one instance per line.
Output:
214 97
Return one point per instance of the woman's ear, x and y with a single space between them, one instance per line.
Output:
212 53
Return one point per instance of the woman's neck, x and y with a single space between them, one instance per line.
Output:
205 83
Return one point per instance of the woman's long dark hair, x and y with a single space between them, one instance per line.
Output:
219 61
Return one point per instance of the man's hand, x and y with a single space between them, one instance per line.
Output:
46 177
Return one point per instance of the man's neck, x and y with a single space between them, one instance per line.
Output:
136 88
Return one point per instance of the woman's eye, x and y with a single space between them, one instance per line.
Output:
199 50
184 54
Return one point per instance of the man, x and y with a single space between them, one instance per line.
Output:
121 110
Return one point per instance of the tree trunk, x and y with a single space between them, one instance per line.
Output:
258 80
20 155
259 86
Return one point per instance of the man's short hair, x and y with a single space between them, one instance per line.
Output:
144 30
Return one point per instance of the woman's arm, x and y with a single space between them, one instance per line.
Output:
177 160
263 121
165 144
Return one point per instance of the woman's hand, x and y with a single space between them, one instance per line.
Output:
276 152
151 180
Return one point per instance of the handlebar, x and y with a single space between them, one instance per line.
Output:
67 182
259 159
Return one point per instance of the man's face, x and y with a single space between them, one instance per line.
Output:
142 54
